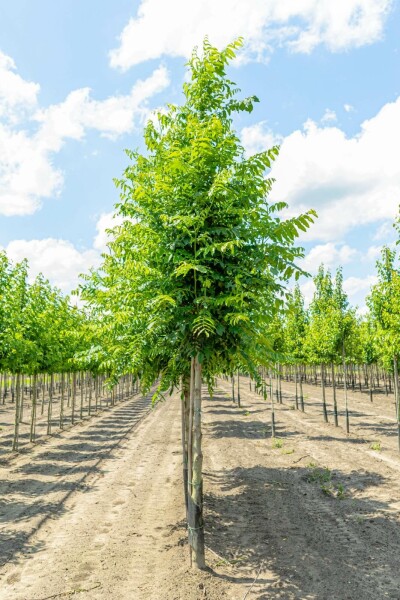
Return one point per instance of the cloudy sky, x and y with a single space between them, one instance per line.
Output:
78 79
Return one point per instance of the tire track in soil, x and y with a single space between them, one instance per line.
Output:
122 537
35 487
95 541
313 546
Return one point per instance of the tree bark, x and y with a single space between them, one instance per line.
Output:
185 398
195 484
397 399
335 412
17 401
33 413
325 412
346 404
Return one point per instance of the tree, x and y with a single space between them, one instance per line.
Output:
384 304
296 324
197 269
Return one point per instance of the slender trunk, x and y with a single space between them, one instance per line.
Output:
17 401
32 435
90 379
324 410
272 407
73 397
280 384
238 388
50 405
297 394
195 506
370 381
185 397
397 399
43 392
346 403
335 412
233 388
62 400
301 391
81 394
21 404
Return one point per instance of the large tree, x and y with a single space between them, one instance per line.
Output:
197 270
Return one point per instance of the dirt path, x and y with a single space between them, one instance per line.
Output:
109 503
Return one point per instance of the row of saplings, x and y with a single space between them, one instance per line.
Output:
60 398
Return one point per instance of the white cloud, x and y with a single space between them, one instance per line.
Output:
349 181
27 173
373 253
307 289
348 108
15 93
329 116
58 260
356 285
173 28
105 221
111 117
258 137
328 254
385 232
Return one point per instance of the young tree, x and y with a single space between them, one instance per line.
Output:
384 304
197 270
296 324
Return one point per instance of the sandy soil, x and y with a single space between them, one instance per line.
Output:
97 512
7 417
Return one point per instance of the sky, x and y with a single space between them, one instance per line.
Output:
78 80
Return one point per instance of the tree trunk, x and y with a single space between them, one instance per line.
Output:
370 381
185 398
272 405
301 391
195 484
397 399
238 388
17 401
50 405
325 412
346 404
335 412
33 413
62 400
73 400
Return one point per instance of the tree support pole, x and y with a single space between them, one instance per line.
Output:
195 484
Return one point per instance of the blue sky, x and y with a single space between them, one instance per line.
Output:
79 79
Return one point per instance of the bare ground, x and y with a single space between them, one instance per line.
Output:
97 511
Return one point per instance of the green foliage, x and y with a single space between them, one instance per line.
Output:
295 328
332 323
39 330
376 446
384 304
277 443
200 263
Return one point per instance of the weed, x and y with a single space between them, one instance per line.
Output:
323 477
340 491
318 475
246 413
376 446
287 451
277 443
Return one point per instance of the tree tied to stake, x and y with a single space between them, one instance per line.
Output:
197 270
